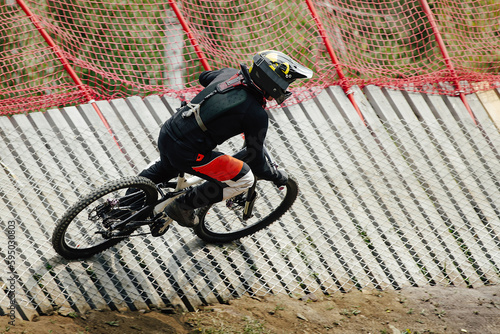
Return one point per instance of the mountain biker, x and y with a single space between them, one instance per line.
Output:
232 103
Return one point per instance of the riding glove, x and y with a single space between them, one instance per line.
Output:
281 179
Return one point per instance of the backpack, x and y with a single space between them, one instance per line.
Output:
214 108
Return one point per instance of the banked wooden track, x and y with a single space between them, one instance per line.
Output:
411 198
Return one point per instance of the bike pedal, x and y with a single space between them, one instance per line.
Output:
159 227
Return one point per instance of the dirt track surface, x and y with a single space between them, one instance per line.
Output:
411 310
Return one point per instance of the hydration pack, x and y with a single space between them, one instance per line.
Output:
211 108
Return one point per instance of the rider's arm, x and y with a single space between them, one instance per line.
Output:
256 124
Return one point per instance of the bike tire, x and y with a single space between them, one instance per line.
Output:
71 229
220 224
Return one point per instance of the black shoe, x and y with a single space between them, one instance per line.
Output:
182 213
159 227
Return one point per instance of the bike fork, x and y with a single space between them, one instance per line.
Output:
251 197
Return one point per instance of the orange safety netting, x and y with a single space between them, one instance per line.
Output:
118 49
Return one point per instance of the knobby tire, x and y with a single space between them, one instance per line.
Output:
216 214
59 241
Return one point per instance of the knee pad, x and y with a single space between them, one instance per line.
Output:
238 185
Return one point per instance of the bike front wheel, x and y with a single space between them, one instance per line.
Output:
223 222
87 227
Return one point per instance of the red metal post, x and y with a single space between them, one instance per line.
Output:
190 35
334 58
66 66
54 47
444 53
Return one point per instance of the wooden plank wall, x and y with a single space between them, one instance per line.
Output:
411 198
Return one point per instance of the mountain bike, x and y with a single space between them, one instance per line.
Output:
131 206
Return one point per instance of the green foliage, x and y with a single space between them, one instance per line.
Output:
120 48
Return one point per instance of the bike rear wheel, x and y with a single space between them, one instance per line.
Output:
219 223
80 233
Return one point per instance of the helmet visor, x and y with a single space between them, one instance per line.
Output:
285 66
273 71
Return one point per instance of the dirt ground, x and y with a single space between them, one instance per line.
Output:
411 310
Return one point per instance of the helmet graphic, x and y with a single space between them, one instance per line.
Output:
273 71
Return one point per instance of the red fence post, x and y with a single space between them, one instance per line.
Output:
66 66
444 53
55 48
334 58
188 32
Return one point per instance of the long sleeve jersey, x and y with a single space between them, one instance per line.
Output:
248 118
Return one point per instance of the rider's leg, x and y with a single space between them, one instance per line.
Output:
227 177
162 169
233 176
158 171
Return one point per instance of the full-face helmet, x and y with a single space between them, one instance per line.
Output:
273 71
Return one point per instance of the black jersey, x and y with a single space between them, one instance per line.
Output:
248 118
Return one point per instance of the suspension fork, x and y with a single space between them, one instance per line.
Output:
251 197
252 194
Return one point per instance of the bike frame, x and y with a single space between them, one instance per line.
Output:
183 183
139 218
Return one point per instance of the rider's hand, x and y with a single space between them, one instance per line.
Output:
281 179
